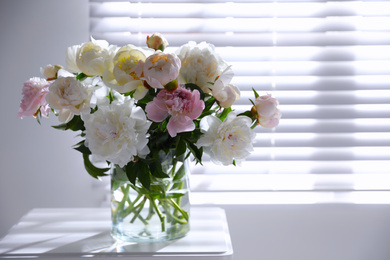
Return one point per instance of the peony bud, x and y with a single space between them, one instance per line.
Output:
156 42
50 71
266 111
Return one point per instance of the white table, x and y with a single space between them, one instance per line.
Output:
323 231
79 233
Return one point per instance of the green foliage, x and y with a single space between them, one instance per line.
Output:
81 76
82 148
224 113
75 124
143 170
92 169
181 147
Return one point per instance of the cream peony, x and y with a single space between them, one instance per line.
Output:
121 71
117 132
200 64
69 97
228 140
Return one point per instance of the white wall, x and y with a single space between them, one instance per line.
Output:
38 166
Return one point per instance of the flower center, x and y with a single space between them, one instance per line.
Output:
127 65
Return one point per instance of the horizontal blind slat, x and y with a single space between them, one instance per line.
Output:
251 39
318 126
330 111
336 140
240 25
298 167
324 97
240 9
323 83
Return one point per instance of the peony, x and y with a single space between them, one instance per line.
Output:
200 64
121 72
181 104
227 141
266 111
224 92
117 132
160 69
33 101
69 97
88 58
50 71
156 42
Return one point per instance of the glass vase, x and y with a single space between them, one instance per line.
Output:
149 215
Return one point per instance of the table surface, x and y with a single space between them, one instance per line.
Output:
73 233
327 231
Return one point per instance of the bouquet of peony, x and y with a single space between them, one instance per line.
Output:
133 105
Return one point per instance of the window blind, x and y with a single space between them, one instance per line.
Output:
327 62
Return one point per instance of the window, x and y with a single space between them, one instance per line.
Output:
328 63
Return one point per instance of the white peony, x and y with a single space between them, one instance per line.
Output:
69 97
89 58
161 68
224 92
117 132
228 140
200 64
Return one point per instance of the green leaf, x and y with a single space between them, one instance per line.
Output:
181 147
81 76
82 148
256 94
92 169
178 178
131 171
156 170
225 113
143 174
197 152
209 102
246 113
75 124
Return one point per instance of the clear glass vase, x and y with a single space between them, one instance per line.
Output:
158 214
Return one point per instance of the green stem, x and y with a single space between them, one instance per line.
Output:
121 204
136 214
183 212
131 206
175 218
160 215
151 213
178 201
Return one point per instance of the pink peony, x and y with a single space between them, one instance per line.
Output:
181 104
34 93
266 111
